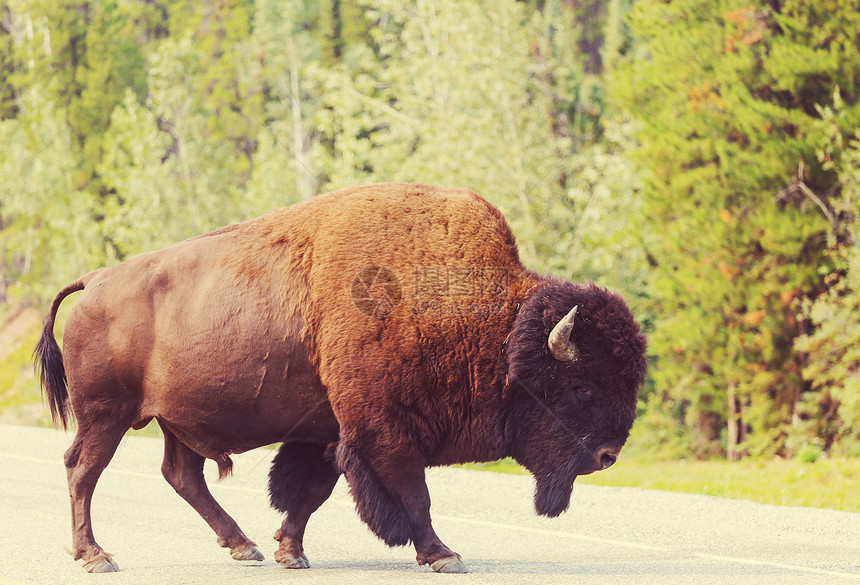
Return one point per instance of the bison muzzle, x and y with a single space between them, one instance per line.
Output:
373 332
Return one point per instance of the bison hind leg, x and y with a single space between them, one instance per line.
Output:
383 512
182 467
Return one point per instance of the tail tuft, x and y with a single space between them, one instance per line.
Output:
52 374
49 360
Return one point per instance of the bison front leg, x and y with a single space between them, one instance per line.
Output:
183 470
391 497
301 479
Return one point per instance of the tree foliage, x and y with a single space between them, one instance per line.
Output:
828 414
700 157
727 98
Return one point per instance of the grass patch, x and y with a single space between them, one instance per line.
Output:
20 395
825 483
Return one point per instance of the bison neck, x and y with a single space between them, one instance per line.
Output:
481 415
475 424
484 439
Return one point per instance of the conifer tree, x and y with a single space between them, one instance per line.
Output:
726 98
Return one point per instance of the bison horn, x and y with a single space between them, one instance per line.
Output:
559 342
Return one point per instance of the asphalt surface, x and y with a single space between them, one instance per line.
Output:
609 535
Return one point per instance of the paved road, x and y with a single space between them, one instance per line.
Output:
610 535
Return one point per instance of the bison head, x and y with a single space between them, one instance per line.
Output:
575 362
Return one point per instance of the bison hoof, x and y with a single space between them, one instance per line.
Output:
449 565
289 562
103 563
246 553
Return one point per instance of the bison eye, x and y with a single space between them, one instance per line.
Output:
583 390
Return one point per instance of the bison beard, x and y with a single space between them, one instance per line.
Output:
553 488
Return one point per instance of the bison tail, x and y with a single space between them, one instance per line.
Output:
49 359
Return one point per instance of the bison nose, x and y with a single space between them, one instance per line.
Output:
607 456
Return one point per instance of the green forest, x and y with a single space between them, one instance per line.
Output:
701 157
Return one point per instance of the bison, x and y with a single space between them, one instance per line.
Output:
373 331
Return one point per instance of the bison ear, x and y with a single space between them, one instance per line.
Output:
560 345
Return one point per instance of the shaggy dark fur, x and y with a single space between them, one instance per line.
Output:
299 469
383 512
592 401
608 338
